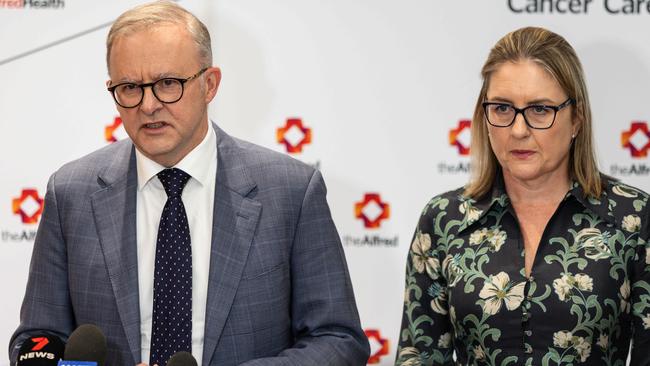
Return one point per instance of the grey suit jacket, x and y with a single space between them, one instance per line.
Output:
279 292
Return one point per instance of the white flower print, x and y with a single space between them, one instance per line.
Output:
562 287
647 255
479 354
631 223
625 191
452 270
411 355
478 236
498 290
420 247
445 340
646 321
433 267
603 341
562 339
625 296
582 347
496 238
439 298
471 213
584 282
594 243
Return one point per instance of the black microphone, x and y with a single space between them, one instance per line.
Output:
86 346
182 358
40 350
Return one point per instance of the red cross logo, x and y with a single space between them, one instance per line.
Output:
378 346
112 130
460 136
372 210
294 135
29 206
637 139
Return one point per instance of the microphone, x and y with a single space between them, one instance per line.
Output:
182 358
40 350
86 347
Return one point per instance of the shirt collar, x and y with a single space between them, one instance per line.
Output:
194 163
475 210
600 206
497 199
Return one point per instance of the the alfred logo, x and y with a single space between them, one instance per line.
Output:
637 141
460 138
378 346
32 4
28 205
294 135
372 210
115 131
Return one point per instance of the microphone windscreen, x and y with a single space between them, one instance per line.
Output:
40 350
182 358
86 343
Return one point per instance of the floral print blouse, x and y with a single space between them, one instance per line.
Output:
587 296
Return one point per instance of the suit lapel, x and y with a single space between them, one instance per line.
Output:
114 209
234 222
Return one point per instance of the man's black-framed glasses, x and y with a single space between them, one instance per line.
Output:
537 116
166 90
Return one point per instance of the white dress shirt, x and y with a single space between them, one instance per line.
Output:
198 198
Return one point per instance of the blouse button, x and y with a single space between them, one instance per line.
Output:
528 333
525 316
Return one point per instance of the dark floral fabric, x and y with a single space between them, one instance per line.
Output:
468 300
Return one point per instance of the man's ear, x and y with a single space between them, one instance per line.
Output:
212 80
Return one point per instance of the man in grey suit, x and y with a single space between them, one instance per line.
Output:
268 283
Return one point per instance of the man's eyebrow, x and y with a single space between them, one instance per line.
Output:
156 77
165 75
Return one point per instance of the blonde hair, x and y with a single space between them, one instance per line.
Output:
553 53
147 15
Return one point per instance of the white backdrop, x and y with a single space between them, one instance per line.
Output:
381 87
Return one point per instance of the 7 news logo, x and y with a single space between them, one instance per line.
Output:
637 141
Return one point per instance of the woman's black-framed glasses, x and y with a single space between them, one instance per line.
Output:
537 116
166 90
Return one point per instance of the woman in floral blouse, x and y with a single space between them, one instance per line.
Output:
540 259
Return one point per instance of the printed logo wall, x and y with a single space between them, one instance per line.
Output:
340 93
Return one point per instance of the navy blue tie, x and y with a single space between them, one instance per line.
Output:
172 289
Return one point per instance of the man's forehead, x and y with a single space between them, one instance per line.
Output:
164 50
157 32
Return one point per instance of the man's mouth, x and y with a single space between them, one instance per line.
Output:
154 125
